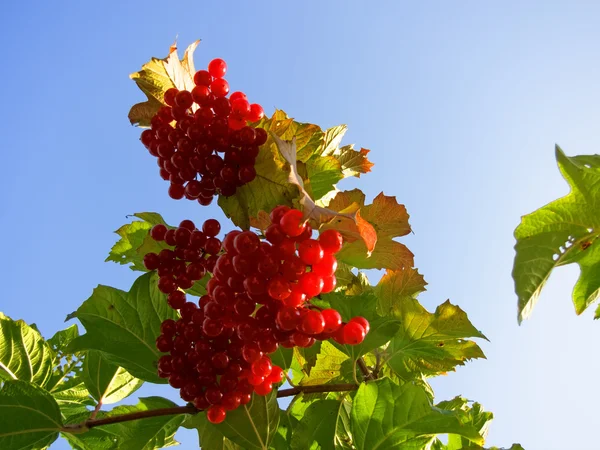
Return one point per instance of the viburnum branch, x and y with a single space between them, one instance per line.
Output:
92 423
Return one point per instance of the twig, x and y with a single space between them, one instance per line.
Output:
92 423
364 369
96 409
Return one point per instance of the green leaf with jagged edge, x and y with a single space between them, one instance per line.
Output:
431 343
383 329
61 339
439 445
396 287
136 241
156 77
124 325
209 436
24 354
564 231
389 220
145 434
318 425
476 416
327 369
30 416
253 426
106 382
307 357
386 415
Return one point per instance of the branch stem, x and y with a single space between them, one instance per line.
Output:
92 423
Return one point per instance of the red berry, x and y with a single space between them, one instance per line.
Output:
327 266
176 191
278 288
166 285
310 252
151 261
287 318
219 87
256 112
236 123
264 388
158 232
176 299
329 284
237 95
262 367
202 95
276 375
211 227
163 343
353 333
184 99
216 414
261 137
240 108
217 68
292 223
169 96
246 243
277 213
331 241
202 78
333 320
362 322
311 284
313 323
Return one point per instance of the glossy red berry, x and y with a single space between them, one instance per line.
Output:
256 112
313 323
216 414
310 252
362 322
158 232
333 320
217 68
311 284
292 223
331 241
353 333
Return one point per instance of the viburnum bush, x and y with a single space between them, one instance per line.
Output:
234 317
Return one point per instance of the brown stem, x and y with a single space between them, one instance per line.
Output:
317 388
78 428
364 369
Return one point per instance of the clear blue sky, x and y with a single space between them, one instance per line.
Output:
460 102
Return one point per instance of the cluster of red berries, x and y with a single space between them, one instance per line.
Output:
194 253
256 301
201 138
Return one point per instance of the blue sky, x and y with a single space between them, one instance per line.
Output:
460 102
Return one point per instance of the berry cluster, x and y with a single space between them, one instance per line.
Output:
194 253
201 138
256 301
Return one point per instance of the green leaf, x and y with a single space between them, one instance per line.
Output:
282 357
328 367
209 435
72 397
431 344
285 430
156 77
253 426
30 416
124 325
318 424
562 232
475 415
61 339
106 382
385 415
143 434
397 287
24 354
136 242
307 357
